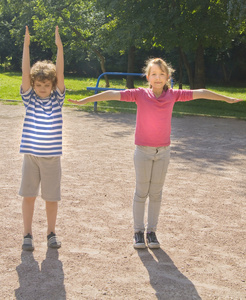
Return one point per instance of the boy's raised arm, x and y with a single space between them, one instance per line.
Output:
26 62
59 61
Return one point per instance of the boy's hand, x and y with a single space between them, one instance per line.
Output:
27 37
58 38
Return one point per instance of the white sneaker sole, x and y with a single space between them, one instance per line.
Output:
154 246
139 246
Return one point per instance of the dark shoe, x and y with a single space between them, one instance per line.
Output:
28 243
52 241
139 240
152 240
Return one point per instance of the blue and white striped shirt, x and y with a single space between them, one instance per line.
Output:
42 128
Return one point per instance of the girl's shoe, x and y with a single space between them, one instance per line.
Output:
152 240
28 243
139 240
52 241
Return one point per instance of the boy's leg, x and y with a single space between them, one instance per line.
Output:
29 190
51 212
51 192
27 213
50 169
159 171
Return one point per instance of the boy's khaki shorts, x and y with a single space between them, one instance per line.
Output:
44 170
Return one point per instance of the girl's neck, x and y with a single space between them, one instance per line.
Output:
158 92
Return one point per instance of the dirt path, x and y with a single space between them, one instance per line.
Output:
202 223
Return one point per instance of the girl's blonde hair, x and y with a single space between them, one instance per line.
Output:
165 67
44 70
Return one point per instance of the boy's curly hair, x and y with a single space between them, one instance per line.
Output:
44 70
165 67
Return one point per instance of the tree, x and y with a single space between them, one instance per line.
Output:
9 48
5 38
93 28
78 20
232 56
125 30
193 27
188 25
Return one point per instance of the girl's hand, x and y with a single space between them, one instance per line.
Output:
79 102
233 100
27 37
58 38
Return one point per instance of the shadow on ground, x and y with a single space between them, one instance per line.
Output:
44 283
165 278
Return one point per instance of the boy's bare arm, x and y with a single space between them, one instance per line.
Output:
26 62
59 61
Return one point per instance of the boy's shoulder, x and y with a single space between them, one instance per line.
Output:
58 92
28 92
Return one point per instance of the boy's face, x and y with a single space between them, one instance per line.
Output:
43 88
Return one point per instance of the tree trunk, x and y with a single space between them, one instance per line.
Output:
226 73
130 67
180 72
98 54
199 80
102 64
187 67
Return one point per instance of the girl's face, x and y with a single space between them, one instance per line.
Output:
43 88
157 77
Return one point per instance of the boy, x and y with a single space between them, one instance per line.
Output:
43 94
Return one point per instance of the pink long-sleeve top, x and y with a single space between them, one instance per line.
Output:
153 121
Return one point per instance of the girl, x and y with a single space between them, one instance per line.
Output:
152 139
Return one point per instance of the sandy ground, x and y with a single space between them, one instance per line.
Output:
202 223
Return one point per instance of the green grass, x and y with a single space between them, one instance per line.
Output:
10 86
76 89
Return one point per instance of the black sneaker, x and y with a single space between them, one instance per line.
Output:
152 240
52 241
139 240
28 243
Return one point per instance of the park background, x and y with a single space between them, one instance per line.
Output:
203 41
202 222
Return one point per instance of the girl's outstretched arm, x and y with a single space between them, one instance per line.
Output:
206 94
26 62
59 61
104 96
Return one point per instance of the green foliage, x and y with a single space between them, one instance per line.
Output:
125 25
93 29
78 21
188 23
